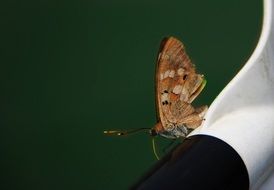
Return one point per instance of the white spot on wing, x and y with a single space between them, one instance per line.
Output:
184 94
161 76
166 74
171 74
177 89
164 97
180 71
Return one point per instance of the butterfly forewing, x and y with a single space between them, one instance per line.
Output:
177 85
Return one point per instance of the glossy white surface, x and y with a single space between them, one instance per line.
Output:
243 113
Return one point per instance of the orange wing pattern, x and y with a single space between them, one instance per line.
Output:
177 85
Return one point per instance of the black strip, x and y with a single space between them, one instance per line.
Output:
200 162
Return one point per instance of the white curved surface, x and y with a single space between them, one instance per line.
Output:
243 114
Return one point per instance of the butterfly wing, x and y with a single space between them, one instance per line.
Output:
177 83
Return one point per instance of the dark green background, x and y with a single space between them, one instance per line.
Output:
70 70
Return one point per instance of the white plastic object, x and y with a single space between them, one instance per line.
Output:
243 113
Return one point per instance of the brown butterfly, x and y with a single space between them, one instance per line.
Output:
177 85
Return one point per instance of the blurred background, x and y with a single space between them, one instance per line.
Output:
72 69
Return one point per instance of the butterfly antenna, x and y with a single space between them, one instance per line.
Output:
126 132
154 148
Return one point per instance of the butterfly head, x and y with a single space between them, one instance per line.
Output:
153 132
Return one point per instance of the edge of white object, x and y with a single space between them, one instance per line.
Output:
243 113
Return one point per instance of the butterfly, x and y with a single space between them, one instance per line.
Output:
177 85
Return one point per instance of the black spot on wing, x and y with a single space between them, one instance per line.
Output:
165 102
